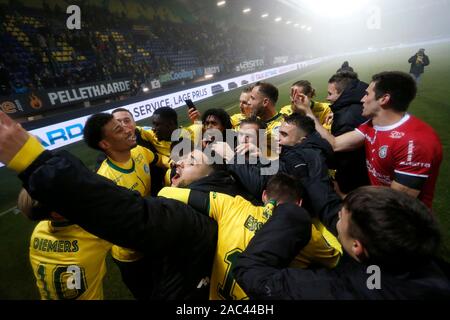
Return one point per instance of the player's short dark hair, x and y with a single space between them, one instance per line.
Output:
343 79
247 89
268 90
395 229
254 120
167 113
283 187
307 87
304 123
93 131
122 110
399 85
220 114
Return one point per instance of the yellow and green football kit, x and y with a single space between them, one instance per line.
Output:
272 129
236 120
238 220
321 111
67 261
133 175
162 147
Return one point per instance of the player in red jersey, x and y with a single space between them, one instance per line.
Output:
401 150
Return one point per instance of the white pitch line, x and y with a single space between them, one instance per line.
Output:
7 211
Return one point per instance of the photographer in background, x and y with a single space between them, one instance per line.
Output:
418 63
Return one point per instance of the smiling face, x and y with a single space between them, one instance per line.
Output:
162 127
116 138
191 168
126 120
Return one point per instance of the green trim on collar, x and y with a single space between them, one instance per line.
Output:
274 117
116 167
60 224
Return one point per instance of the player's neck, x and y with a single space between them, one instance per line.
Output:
119 156
269 114
387 118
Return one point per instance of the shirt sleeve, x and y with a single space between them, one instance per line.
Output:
413 163
363 128
219 204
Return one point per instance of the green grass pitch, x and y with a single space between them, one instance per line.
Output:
432 105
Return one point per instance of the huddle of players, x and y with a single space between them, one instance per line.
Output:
138 159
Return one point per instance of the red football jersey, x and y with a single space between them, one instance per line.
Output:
407 149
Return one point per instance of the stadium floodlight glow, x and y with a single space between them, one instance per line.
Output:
221 3
308 29
278 19
303 27
264 15
246 10
296 25
288 22
335 9
145 89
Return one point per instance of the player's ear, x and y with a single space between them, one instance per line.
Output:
103 144
265 197
385 99
359 250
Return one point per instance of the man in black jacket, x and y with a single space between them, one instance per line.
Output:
180 240
303 155
418 63
345 92
390 241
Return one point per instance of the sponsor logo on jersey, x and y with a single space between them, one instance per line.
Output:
382 179
416 164
396 135
382 152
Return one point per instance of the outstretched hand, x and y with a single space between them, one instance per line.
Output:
248 148
301 104
194 115
223 150
12 138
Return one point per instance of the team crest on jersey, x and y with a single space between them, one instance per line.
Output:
396 135
146 168
382 152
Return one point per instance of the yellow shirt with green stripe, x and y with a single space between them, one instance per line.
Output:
56 246
320 109
163 147
133 175
238 220
236 120
273 127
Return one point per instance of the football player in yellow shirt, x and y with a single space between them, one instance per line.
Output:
67 261
158 139
238 220
321 110
263 99
244 107
127 165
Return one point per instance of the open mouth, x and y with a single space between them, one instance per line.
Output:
176 178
